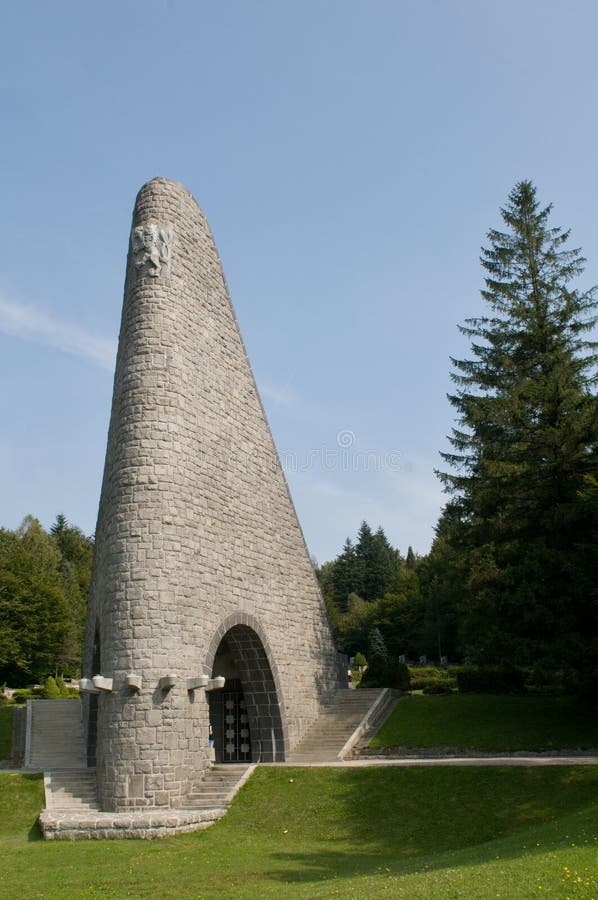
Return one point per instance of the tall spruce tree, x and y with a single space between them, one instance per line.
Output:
525 442
377 564
343 576
410 559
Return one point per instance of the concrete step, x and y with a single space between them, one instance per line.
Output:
71 790
331 736
85 790
217 787
216 784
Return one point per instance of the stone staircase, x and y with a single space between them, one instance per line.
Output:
349 715
74 791
217 787
55 737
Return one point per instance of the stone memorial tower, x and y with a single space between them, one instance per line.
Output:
201 574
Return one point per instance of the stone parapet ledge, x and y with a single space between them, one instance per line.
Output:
146 824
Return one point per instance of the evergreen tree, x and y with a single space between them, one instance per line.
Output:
526 437
390 565
367 563
369 569
400 617
582 637
377 647
377 564
325 574
76 550
410 559
443 576
51 689
60 525
344 576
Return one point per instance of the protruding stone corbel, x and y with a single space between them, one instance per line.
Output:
216 684
134 682
197 682
167 682
101 683
86 686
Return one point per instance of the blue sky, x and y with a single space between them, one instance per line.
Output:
350 158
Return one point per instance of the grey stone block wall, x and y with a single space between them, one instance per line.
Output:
197 536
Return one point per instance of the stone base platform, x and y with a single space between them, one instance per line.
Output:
67 825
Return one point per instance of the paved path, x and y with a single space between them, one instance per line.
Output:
531 760
458 761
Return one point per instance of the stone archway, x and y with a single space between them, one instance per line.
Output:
240 652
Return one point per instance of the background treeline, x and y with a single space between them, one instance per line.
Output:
381 603
511 579
44 584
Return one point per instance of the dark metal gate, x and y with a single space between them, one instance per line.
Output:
230 723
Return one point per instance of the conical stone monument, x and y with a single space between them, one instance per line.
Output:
201 573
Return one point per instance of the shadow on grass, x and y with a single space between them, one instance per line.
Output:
323 866
397 821
35 833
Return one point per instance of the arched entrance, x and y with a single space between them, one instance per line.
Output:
246 716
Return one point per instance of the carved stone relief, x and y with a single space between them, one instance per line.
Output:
152 249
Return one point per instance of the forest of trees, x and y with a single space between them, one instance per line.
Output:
380 600
44 585
511 575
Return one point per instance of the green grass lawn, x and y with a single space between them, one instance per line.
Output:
355 833
490 722
5 732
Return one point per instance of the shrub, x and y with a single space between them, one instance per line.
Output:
490 680
544 678
427 672
437 686
423 677
420 684
22 695
374 675
386 673
398 675
51 689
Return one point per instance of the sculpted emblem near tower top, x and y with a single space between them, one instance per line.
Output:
152 249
